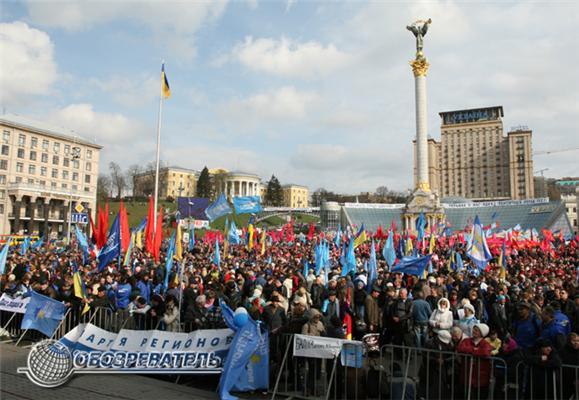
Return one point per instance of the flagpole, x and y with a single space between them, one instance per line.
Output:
158 155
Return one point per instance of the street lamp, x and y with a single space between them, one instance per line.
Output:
75 156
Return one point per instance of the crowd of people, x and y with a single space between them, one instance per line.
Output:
531 313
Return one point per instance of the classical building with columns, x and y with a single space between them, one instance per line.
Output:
235 183
42 169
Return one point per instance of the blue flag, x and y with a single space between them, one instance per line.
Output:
25 245
420 225
234 237
372 267
112 248
4 255
191 239
245 342
459 263
192 207
169 261
82 241
36 245
350 260
247 204
388 251
338 237
216 255
218 208
478 250
412 265
43 314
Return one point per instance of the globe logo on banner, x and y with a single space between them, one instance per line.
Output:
49 364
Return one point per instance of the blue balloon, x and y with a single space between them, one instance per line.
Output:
241 317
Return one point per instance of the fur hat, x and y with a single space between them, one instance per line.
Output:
483 328
469 307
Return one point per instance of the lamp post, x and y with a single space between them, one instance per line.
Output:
75 156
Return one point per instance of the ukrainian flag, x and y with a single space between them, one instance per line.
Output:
165 90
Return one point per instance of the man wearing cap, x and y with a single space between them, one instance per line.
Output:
527 327
372 311
500 317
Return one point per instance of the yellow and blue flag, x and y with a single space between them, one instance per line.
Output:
165 89
43 314
478 250
360 237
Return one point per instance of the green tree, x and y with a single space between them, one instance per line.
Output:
274 193
204 184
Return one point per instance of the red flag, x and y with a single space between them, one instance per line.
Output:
311 232
92 228
158 236
150 228
125 233
548 235
348 323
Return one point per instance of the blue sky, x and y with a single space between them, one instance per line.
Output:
318 93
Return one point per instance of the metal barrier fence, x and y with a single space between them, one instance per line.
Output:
313 378
407 373
104 318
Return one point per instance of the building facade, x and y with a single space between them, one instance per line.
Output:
44 172
475 160
571 201
295 196
235 183
173 182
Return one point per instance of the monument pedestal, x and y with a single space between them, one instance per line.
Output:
422 202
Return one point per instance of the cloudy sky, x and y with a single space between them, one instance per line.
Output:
318 93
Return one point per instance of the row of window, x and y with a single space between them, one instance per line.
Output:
53 185
44 172
5 151
45 144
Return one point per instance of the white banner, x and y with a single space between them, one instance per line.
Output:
202 350
319 347
15 305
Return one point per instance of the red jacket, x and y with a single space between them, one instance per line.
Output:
481 367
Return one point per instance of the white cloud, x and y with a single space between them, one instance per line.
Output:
106 128
28 66
288 58
134 91
174 24
286 103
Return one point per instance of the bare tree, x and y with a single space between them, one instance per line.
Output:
117 179
132 171
103 188
382 191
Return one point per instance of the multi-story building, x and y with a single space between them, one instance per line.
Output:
173 182
475 160
295 196
571 201
235 183
44 172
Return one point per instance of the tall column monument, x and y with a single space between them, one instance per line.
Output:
422 200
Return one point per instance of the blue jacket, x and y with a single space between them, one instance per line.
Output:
421 311
145 290
556 331
123 293
527 331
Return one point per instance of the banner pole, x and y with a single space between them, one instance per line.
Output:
158 155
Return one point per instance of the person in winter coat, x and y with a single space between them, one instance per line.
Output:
543 360
421 312
372 313
467 322
527 328
359 299
314 327
441 318
171 316
436 367
570 356
476 370
555 330
274 316
500 316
